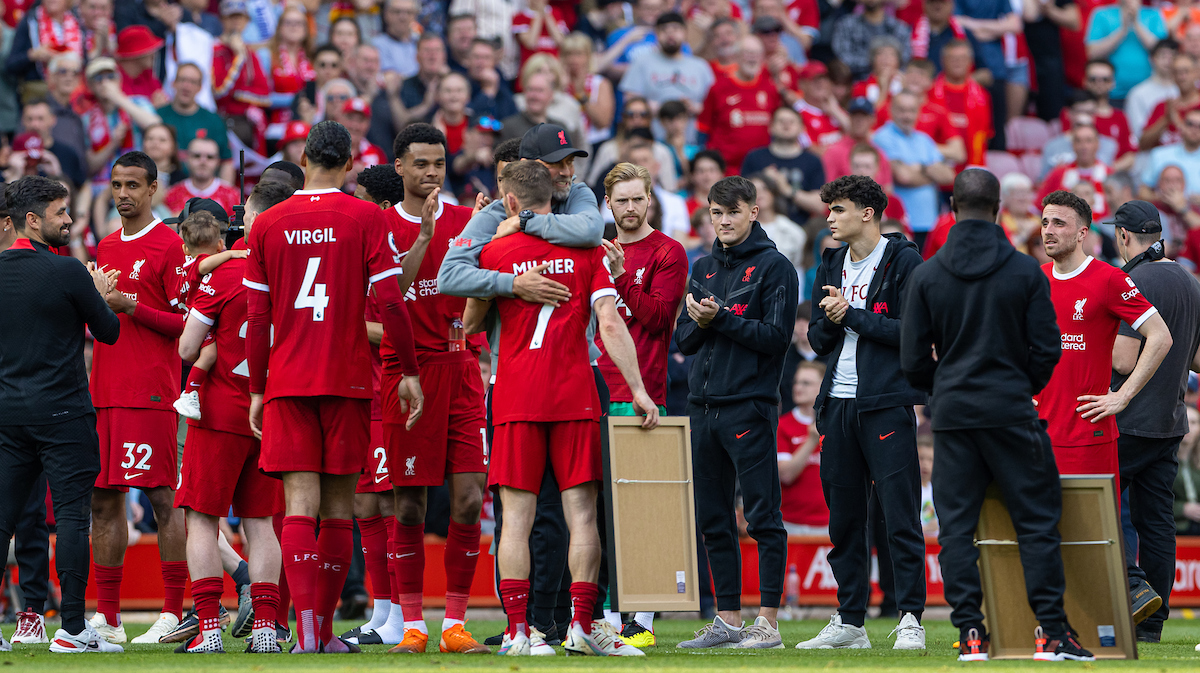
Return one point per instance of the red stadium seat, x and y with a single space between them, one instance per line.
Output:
1026 134
1002 163
1031 165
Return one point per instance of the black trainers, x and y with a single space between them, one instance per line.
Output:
495 641
972 646
244 624
1143 599
1064 648
1148 635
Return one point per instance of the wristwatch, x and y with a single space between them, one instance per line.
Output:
525 216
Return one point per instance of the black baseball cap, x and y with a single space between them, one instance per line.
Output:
1139 217
670 17
766 24
861 105
548 143
195 204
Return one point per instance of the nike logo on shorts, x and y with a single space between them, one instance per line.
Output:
131 476
472 553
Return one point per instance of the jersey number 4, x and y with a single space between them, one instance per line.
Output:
312 295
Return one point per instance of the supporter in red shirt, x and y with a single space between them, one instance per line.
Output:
868 161
937 237
1085 142
737 110
540 29
239 85
708 167
820 111
969 104
290 66
356 117
885 79
1099 80
933 120
1163 126
722 45
802 20
203 160
1091 299
136 49
799 453
837 160
453 94
783 70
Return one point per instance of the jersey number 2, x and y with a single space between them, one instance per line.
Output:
312 295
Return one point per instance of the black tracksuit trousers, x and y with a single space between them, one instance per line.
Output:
33 549
69 455
1020 461
859 448
1148 468
730 444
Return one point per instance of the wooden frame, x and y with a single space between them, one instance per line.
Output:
651 516
1097 593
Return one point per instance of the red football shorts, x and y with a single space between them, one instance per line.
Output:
448 438
374 478
138 447
520 450
220 470
1090 459
324 434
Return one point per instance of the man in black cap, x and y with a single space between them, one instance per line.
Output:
986 311
574 221
1155 421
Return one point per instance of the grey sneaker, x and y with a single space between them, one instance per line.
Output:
244 623
717 634
760 636
837 635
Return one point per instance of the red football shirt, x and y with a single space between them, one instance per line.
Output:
431 311
970 114
820 127
369 155
650 291
316 254
219 301
141 370
736 115
374 315
218 191
1066 176
1115 126
191 279
803 499
805 13
522 22
1171 135
1089 304
544 373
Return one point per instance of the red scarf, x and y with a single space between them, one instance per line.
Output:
99 131
920 36
71 39
290 74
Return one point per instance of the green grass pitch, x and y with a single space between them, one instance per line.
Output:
1176 652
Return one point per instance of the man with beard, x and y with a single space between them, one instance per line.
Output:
47 422
650 269
666 73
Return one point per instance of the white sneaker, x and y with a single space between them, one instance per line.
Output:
166 623
910 635
5 646
760 636
31 629
113 634
602 641
88 640
188 405
837 635
517 646
538 646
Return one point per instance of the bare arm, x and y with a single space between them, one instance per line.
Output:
374 332
416 254
986 30
193 338
790 469
1105 46
474 315
619 346
602 110
954 151
210 263
1125 354
1158 342
941 173
1068 17
908 175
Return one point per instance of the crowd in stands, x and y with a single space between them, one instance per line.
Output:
1099 98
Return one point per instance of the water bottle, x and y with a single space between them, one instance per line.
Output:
457 340
792 586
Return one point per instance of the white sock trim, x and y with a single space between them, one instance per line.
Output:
645 619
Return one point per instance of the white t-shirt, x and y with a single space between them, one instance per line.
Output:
856 281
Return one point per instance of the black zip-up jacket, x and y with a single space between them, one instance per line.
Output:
739 356
986 309
45 301
880 383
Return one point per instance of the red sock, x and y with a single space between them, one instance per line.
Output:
515 596
391 532
335 544
461 557
196 378
299 544
374 547
583 599
175 574
410 568
206 594
108 592
265 597
285 595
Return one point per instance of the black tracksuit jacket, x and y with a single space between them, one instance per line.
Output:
986 309
740 355
880 383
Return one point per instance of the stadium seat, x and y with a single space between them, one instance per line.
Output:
1002 163
1026 134
1056 126
1031 165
